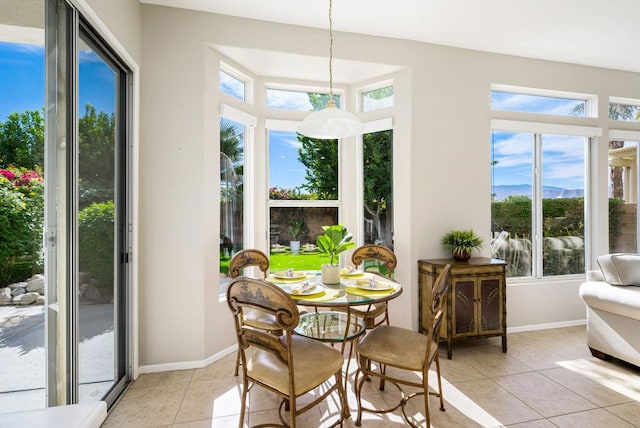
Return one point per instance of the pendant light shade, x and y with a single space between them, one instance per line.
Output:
331 122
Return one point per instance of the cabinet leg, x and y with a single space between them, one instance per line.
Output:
504 343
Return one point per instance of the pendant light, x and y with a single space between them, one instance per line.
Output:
331 122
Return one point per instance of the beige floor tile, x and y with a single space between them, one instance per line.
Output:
210 399
500 404
543 395
587 388
630 412
540 423
147 407
162 378
546 372
596 418
222 368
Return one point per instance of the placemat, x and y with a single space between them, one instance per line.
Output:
369 293
326 295
288 280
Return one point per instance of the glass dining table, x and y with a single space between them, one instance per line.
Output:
331 319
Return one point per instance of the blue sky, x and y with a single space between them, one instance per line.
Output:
22 80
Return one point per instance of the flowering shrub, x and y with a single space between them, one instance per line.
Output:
289 194
21 223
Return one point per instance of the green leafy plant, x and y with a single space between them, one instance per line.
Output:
296 228
461 243
335 240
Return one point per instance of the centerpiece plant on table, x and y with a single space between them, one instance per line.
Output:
335 240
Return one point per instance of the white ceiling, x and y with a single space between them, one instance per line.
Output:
602 33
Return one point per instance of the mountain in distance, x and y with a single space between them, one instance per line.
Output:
503 191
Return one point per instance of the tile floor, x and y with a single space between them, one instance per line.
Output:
547 379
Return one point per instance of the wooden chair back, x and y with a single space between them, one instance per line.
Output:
247 258
378 253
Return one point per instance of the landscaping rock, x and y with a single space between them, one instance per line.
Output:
92 293
25 299
5 296
17 285
40 300
36 283
18 291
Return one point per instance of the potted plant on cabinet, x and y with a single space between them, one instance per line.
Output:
335 240
296 229
461 243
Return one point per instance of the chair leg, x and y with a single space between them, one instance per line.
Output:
245 388
425 385
237 362
439 382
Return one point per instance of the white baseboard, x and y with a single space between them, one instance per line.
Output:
186 365
546 326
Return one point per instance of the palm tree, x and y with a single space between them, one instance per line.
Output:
231 174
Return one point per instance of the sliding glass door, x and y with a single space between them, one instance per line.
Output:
64 273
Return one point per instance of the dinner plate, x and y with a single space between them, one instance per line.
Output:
315 290
294 275
353 272
379 285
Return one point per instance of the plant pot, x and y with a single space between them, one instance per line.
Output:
331 274
294 246
462 256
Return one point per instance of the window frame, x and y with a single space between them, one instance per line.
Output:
591 100
537 129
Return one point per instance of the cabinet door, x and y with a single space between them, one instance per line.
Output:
490 293
463 307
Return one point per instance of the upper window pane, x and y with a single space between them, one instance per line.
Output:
526 103
284 99
302 168
232 85
624 111
377 99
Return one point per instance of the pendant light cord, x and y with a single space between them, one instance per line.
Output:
330 50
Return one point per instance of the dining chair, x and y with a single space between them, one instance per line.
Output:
404 350
239 262
383 257
288 365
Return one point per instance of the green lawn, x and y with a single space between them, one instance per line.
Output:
300 261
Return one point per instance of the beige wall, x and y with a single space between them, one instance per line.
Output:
124 19
442 140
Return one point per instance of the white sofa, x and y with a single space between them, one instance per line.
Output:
613 308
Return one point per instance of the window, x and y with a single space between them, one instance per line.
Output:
303 196
624 109
377 179
231 85
235 140
286 99
537 210
530 100
623 191
302 168
376 99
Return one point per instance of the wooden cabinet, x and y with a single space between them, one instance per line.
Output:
476 302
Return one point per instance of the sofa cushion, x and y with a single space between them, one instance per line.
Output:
621 300
620 269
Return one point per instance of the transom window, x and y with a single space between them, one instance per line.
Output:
232 85
376 99
288 99
624 109
530 100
